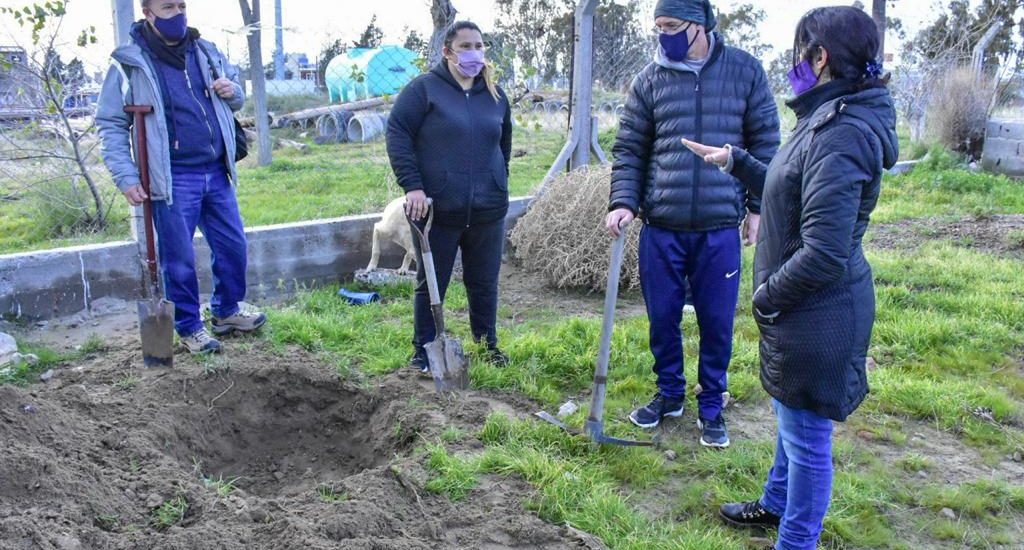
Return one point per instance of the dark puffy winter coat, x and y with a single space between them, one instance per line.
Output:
655 176
818 196
453 144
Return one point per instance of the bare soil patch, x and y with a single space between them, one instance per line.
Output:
1003 235
315 462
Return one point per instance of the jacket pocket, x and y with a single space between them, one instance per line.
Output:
452 194
769 348
491 190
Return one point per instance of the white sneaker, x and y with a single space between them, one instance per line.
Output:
200 342
246 320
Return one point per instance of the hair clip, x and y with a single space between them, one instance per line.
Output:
873 69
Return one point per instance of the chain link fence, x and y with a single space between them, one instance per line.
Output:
328 111
54 189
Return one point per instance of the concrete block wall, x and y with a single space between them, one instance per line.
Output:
54 283
1004 148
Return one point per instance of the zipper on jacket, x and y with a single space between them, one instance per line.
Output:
206 116
697 161
472 186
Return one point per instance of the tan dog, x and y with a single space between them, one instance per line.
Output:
393 227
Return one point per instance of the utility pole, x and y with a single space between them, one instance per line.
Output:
878 14
123 17
278 42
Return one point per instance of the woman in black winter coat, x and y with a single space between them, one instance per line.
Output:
814 300
449 139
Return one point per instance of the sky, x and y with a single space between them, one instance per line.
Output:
309 24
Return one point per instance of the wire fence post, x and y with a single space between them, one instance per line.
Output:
123 17
582 84
581 141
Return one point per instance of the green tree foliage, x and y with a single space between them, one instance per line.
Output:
372 35
742 29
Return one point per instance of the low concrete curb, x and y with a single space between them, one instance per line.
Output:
41 285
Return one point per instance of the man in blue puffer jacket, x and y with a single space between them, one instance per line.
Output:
696 89
190 139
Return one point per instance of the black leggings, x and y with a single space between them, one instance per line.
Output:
481 262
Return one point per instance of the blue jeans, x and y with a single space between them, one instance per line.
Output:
710 262
204 199
799 484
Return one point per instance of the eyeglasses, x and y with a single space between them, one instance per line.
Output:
673 28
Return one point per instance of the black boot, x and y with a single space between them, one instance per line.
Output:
748 514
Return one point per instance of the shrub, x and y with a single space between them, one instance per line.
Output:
958 120
563 238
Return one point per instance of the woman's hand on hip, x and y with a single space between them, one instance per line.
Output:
416 204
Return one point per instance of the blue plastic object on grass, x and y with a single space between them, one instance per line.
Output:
359 298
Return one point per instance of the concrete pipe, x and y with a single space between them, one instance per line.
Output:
366 127
332 127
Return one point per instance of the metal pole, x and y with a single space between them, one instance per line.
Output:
583 80
123 17
582 138
279 42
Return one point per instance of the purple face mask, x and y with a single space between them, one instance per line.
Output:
173 28
471 62
802 77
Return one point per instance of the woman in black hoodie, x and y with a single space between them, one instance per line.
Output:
815 302
449 139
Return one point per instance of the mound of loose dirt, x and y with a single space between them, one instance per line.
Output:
315 462
998 234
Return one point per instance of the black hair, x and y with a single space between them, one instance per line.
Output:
453 30
850 37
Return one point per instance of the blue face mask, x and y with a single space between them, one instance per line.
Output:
676 45
173 28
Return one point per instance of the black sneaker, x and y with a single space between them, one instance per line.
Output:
497 357
650 415
713 432
748 515
419 361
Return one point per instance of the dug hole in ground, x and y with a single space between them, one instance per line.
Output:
256 449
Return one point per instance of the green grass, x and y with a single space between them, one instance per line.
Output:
326 181
24 373
223 487
948 341
327 492
170 513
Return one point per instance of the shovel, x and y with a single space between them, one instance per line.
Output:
445 357
594 426
156 315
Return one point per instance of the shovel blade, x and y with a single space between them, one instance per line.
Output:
156 327
448 364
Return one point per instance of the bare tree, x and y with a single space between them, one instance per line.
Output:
443 14
252 21
878 14
55 142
